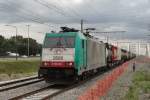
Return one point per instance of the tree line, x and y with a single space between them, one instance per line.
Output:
21 44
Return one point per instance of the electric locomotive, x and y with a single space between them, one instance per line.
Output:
70 56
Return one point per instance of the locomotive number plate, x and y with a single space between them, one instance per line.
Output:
57 57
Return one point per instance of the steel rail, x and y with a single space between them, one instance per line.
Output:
31 93
20 85
18 81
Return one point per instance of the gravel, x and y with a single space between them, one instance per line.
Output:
121 86
39 96
19 91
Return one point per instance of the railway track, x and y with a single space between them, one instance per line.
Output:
18 83
61 91
38 94
49 92
46 92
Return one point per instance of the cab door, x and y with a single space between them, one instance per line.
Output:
84 53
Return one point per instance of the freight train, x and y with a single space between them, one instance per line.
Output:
70 56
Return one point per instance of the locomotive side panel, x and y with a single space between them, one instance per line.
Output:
96 54
103 54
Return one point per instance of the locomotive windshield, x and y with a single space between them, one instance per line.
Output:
59 42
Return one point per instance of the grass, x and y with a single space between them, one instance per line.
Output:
18 67
141 85
19 59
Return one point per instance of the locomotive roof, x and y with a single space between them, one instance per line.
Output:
61 34
66 34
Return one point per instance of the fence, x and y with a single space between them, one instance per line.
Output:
101 87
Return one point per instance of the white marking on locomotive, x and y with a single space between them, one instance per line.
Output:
58 54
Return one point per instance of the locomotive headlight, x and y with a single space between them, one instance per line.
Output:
45 64
70 64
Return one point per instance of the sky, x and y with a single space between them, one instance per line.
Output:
132 16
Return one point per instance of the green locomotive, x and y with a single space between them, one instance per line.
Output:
70 56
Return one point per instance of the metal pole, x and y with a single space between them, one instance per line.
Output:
16 43
28 40
81 25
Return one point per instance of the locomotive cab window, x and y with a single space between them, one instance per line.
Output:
59 42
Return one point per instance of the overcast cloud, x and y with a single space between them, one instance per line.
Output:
132 16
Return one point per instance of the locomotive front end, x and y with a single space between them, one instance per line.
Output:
57 62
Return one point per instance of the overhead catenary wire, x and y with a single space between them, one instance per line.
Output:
33 16
26 14
30 15
70 9
92 6
7 6
56 9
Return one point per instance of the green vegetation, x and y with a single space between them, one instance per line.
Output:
141 85
9 45
18 67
